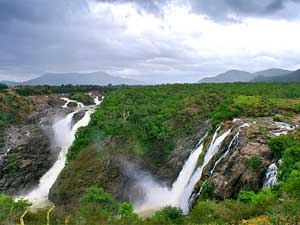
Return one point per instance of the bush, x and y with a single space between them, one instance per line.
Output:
10 210
246 196
278 144
292 184
290 161
99 197
126 210
256 162
168 215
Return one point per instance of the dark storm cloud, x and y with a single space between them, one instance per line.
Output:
228 9
39 36
225 9
152 6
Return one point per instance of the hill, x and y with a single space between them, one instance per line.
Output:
96 78
290 77
229 77
243 76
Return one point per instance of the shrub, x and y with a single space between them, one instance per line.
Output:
278 144
292 184
99 197
246 196
290 161
256 162
168 215
10 210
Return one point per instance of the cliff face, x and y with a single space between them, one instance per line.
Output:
111 165
28 151
243 158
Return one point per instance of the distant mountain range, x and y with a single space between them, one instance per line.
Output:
290 77
270 75
96 78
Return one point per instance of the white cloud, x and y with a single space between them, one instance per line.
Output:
176 45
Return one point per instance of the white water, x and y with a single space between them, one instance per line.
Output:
271 176
230 146
79 104
158 196
64 135
284 128
2 155
211 152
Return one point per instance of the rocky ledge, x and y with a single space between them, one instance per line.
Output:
28 151
243 157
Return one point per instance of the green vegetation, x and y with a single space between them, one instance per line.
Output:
12 108
148 120
11 210
279 205
256 162
46 89
96 207
81 97
3 87
152 118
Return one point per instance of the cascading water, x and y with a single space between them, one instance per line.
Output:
271 176
211 152
158 196
64 135
231 145
79 104
284 128
5 153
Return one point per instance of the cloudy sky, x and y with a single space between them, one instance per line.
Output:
149 40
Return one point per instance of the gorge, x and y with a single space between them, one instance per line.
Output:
87 149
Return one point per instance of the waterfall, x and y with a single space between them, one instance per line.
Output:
4 154
211 152
231 145
270 177
158 196
284 128
79 104
64 135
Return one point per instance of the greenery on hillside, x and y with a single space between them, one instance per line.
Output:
46 89
3 87
12 108
82 97
152 118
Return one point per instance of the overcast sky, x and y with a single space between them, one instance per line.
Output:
148 40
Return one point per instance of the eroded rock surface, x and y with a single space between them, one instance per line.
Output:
29 151
245 166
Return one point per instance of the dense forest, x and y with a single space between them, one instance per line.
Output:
149 119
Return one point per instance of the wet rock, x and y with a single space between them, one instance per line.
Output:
77 116
31 151
111 166
29 157
169 170
235 173
72 104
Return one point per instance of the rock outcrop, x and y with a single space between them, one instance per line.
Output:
28 151
243 167
28 159
112 166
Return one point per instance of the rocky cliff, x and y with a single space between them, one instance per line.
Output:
28 151
112 166
240 164
243 157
